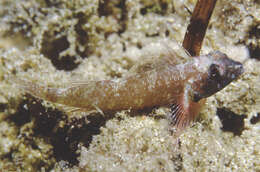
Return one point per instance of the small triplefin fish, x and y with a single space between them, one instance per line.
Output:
183 87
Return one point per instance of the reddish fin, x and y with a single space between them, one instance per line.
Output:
181 117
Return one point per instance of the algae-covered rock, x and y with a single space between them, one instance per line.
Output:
56 42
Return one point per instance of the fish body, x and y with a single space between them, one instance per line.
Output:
183 87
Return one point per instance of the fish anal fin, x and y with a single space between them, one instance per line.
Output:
75 111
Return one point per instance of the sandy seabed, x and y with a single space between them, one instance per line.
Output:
55 42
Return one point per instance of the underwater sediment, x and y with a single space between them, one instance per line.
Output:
56 42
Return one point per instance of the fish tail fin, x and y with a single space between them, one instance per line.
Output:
35 89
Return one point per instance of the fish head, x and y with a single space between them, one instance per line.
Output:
220 71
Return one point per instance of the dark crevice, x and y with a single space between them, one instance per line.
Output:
82 35
124 47
8 156
52 49
123 19
254 52
178 162
3 106
47 124
83 131
103 9
167 33
160 8
143 11
231 122
139 45
255 119
66 63
117 9
53 44
22 26
53 3
152 35
21 116
164 7
254 33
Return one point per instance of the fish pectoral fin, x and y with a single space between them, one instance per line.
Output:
179 116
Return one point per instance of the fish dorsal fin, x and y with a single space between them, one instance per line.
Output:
144 66
154 60
175 44
176 51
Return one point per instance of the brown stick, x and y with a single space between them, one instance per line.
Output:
198 25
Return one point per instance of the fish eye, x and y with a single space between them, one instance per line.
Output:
214 72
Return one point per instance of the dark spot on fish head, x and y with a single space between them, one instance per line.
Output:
221 72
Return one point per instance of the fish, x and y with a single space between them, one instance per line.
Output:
183 87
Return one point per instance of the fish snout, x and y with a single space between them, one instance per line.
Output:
234 70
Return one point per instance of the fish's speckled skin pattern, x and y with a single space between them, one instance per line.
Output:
167 84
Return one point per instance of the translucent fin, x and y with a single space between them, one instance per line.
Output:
79 83
151 62
99 110
179 53
83 83
143 66
77 112
35 89
69 109
179 116
181 50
